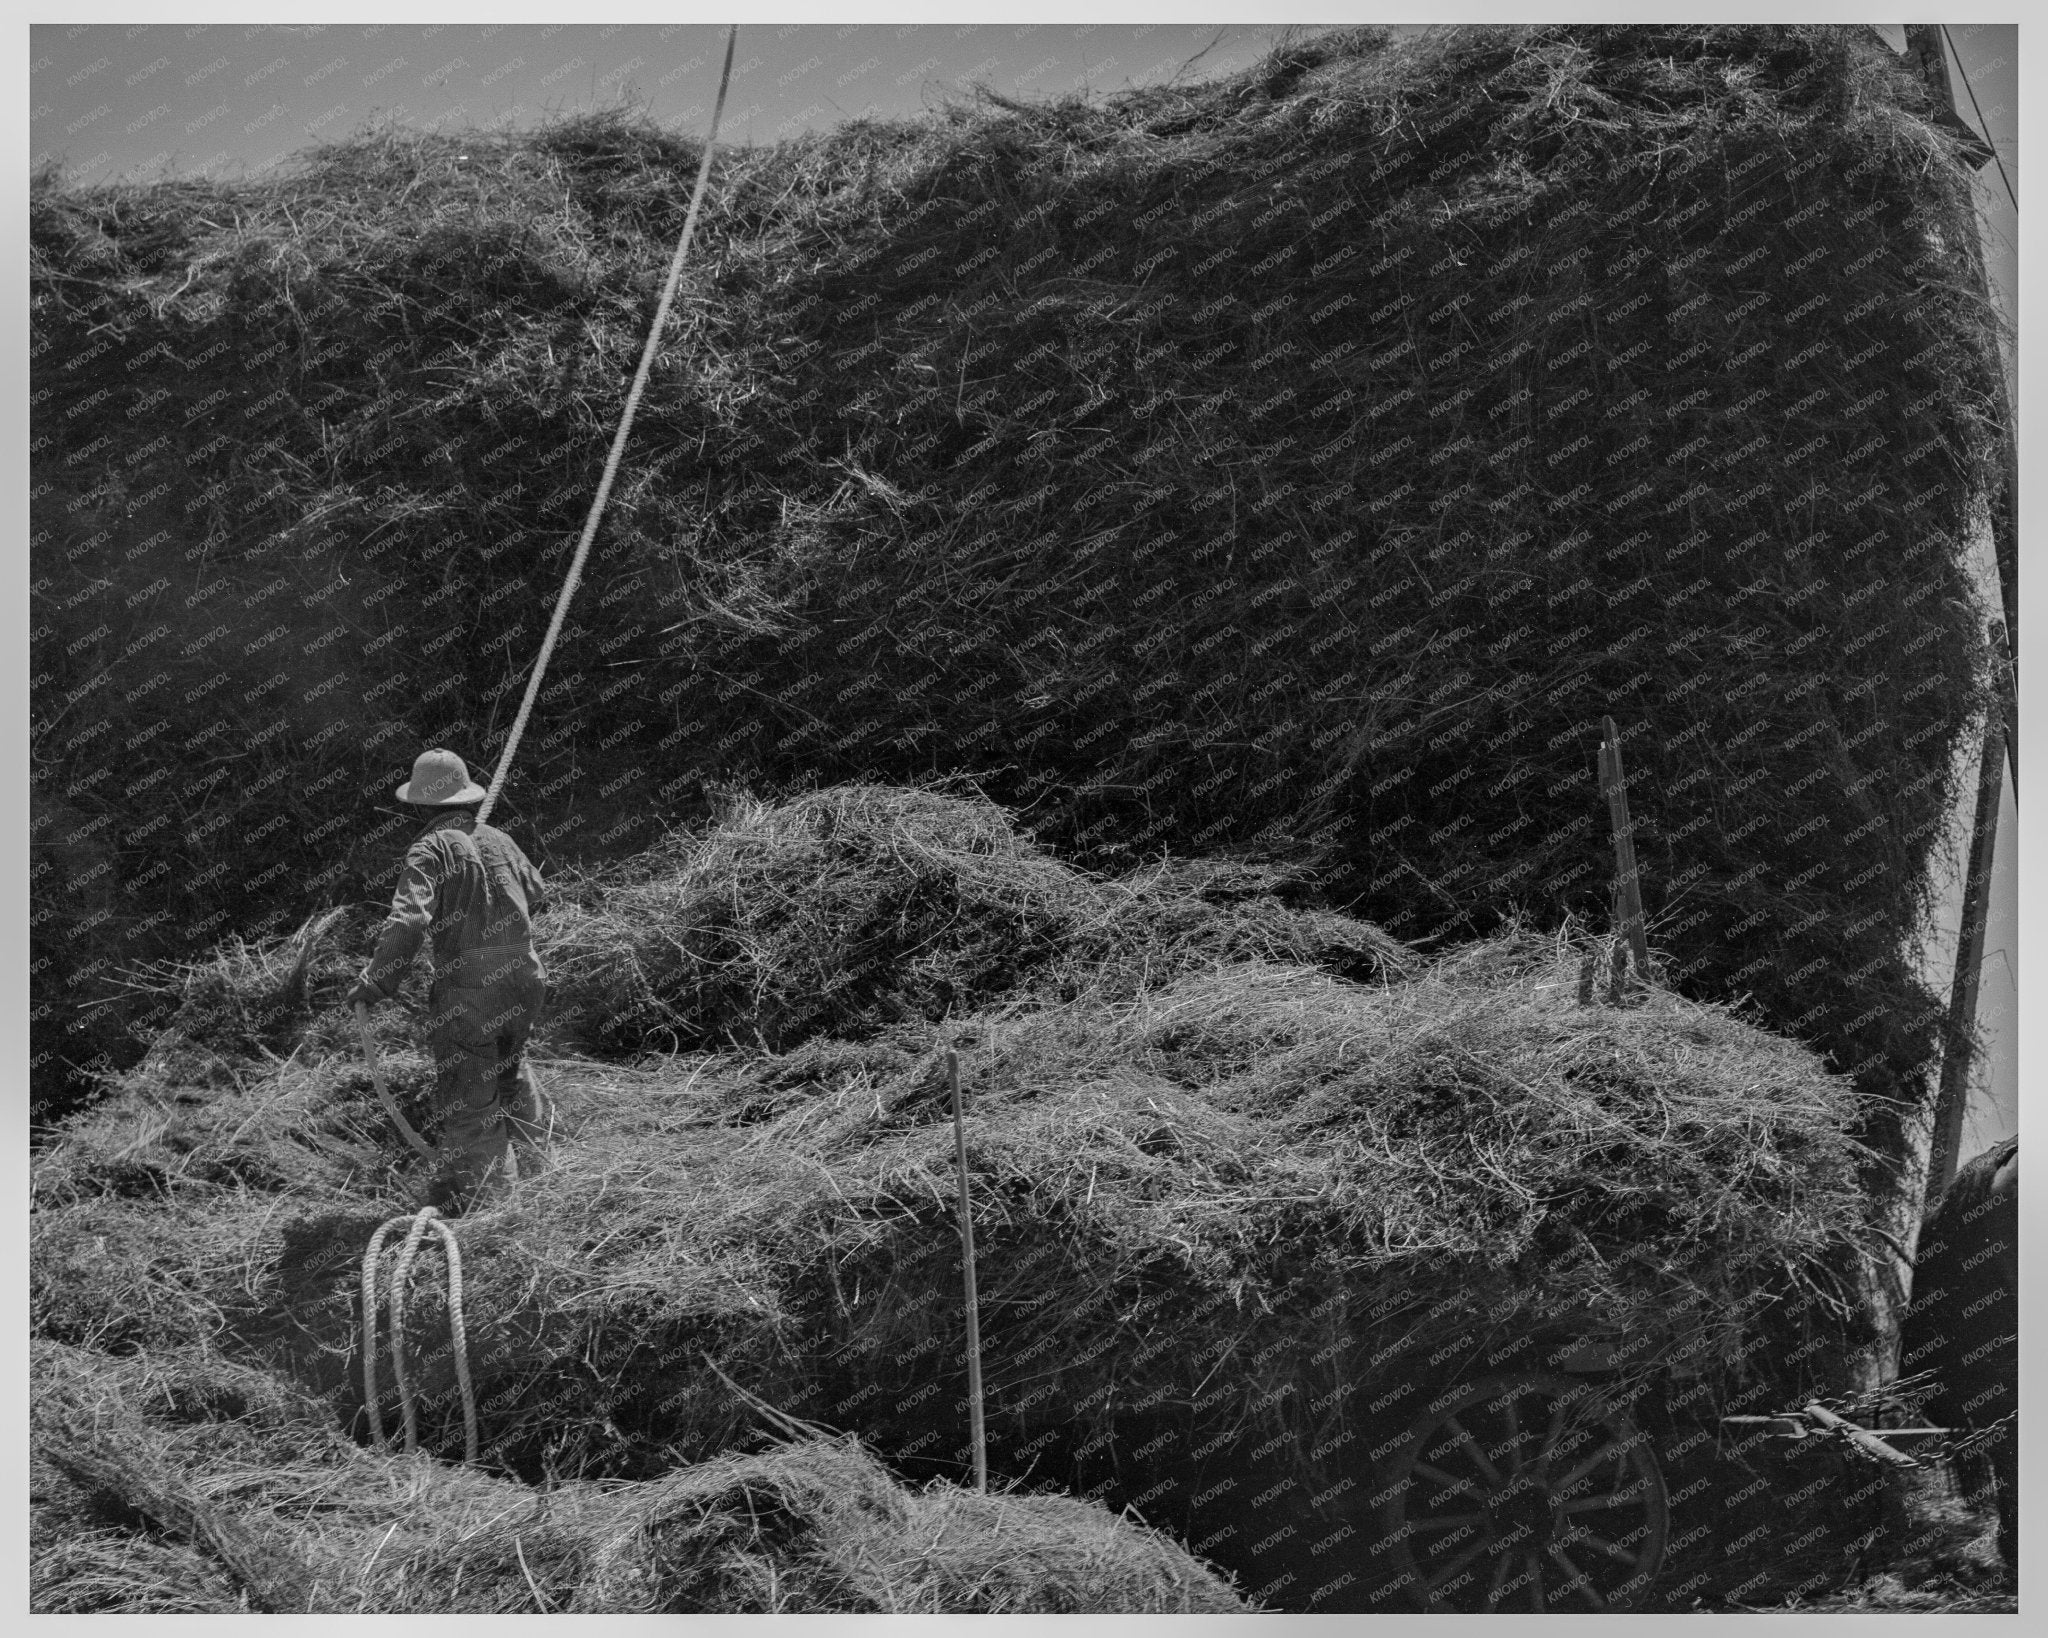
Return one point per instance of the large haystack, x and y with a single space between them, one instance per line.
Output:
1303 460
1230 1217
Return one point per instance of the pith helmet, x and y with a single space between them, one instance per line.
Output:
440 780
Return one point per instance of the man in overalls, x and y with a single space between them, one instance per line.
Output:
469 885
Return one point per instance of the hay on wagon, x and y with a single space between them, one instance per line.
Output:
1212 1208
184 1483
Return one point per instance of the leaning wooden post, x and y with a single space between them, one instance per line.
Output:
1957 1049
1925 50
1626 883
2009 687
967 1267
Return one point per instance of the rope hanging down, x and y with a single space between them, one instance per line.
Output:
369 1043
611 465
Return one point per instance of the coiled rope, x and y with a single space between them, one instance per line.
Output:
429 1217
611 465
401 1275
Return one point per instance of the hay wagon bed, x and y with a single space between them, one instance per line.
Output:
1522 1490
1542 1490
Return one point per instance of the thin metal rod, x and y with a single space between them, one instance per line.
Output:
967 1268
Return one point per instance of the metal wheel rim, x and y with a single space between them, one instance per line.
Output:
1522 1494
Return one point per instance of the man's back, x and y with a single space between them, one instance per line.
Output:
472 887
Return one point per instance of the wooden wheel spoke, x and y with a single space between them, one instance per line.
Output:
1579 1579
1450 1481
1472 1446
1586 1538
1604 1501
1500 1575
1608 1449
1600 1544
1455 1565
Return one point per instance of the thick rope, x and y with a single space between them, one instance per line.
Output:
401 1275
611 465
377 1080
459 1336
429 1216
370 1330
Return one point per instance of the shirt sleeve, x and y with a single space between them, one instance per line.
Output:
412 913
531 882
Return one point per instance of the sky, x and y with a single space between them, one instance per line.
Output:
143 101
188 99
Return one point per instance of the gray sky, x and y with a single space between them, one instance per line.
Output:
146 100
140 100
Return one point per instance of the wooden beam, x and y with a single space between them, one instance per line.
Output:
1925 50
1862 1438
1960 1043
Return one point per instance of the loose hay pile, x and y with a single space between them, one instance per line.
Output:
1228 1217
847 909
1291 459
245 1504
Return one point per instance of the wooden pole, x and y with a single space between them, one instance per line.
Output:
1959 1046
1862 1438
1925 50
967 1268
1626 881
1617 953
2009 688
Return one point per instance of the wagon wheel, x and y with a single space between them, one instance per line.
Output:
1525 1493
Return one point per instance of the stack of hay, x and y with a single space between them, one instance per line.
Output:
1291 458
1219 1192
